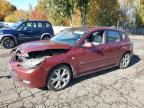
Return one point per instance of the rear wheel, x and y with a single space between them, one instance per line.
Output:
46 37
125 60
59 78
8 42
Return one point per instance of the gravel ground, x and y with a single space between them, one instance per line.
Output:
113 88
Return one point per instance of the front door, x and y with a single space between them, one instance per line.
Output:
25 32
93 58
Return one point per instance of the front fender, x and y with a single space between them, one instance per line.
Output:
9 35
53 61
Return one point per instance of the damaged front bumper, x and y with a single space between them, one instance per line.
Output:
34 77
31 69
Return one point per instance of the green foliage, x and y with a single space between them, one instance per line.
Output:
72 12
140 17
59 11
92 12
56 12
104 13
76 12
83 6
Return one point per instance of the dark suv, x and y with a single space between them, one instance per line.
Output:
24 31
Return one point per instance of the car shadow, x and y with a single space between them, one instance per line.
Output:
135 59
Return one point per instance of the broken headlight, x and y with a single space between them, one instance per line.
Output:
31 63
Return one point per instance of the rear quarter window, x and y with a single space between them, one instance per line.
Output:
123 35
47 25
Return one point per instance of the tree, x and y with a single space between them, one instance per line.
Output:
60 11
16 16
76 18
67 8
37 14
55 11
104 13
88 12
83 6
140 16
5 9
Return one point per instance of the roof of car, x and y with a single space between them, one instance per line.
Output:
90 29
35 20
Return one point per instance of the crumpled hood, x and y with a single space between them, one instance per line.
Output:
41 45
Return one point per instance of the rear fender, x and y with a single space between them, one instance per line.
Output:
45 34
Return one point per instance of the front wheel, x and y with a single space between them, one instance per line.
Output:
125 60
59 78
8 42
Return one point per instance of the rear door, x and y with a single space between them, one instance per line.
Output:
36 32
114 43
40 28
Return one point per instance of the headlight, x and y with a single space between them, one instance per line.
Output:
31 63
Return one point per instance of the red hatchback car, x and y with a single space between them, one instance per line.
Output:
70 54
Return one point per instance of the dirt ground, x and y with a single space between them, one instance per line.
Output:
113 88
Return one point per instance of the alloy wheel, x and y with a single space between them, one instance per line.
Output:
125 61
59 78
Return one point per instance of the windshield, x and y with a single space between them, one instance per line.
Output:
16 25
69 36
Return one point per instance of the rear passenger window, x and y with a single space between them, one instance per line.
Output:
40 25
114 36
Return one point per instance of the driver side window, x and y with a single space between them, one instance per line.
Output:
26 25
22 27
96 38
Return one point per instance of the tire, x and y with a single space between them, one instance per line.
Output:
8 42
59 78
125 61
46 37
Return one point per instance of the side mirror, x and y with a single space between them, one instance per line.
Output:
87 45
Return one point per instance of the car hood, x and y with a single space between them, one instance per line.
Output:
6 30
41 45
